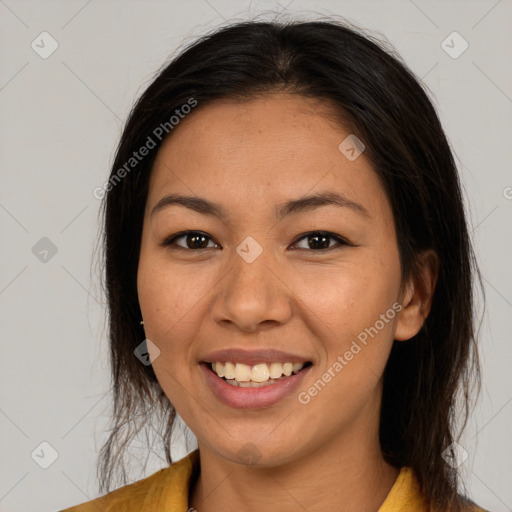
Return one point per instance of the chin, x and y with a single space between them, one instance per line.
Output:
258 453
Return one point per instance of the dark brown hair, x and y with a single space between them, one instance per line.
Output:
385 105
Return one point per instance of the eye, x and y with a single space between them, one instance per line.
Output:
320 241
193 240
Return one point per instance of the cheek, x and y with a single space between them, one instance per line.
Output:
348 296
350 308
165 299
170 296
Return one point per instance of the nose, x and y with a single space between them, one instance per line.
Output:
253 295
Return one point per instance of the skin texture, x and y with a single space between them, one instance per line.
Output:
249 157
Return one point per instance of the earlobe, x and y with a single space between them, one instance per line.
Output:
418 297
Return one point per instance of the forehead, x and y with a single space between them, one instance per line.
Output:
269 148
284 124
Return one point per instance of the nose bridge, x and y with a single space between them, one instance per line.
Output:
253 294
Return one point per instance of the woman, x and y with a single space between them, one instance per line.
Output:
284 228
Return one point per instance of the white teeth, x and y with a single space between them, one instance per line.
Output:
219 369
297 367
287 369
242 372
229 371
259 373
250 384
276 370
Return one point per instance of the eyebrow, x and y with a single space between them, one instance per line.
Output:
300 205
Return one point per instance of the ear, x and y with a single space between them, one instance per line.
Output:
418 296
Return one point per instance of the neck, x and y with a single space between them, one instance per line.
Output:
347 475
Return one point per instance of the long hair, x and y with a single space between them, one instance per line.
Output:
380 100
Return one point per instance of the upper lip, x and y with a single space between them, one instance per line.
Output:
253 357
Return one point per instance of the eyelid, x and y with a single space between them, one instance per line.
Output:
342 241
171 239
329 234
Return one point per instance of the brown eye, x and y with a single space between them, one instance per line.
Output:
317 241
320 241
193 240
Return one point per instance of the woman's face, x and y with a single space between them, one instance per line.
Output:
254 290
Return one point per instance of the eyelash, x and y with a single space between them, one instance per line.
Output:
340 240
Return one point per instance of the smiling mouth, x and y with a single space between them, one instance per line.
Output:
258 375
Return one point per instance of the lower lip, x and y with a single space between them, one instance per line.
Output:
251 398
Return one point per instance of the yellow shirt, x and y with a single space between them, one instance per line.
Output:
167 491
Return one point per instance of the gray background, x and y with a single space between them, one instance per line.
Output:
61 119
